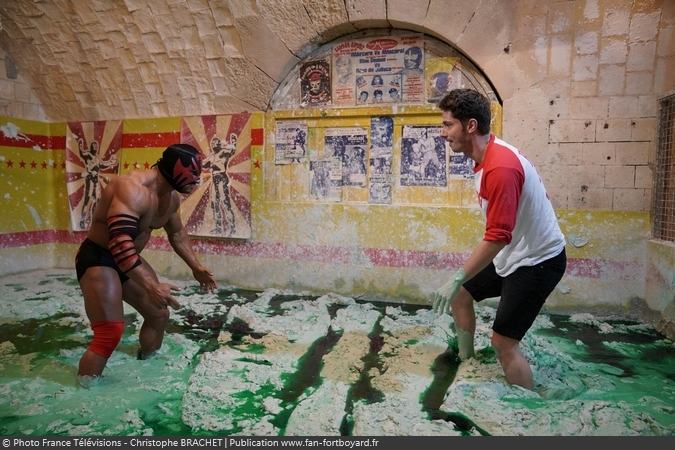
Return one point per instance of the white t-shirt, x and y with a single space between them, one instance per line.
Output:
516 208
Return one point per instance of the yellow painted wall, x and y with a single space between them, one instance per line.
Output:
398 252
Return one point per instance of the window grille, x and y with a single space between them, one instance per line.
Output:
663 198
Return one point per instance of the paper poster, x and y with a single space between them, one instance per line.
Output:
347 146
442 75
461 167
423 156
92 159
315 84
290 141
323 184
381 70
381 155
221 205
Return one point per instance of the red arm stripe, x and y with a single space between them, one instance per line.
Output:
123 229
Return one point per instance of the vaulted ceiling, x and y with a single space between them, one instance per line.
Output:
111 59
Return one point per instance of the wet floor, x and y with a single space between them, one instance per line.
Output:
280 363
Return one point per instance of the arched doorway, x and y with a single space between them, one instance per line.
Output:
356 122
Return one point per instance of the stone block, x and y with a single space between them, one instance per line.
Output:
616 20
554 176
569 154
628 199
611 80
584 88
289 19
647 106
664 81
639 83
647 200
613 51
613 130
620 177
591 198
623 107
572 131
153 42
589 107
632 153
560 17
586 42
7 90
598 153
148 72
213 47
643 129
585 177
406 11
644 177
366 10
560 63
641 56
585 67
666 41
644 27
263 48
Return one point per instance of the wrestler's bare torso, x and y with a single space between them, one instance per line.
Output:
143 194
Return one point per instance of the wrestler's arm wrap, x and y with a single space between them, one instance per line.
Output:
123 229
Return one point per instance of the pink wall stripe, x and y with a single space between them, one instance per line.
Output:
576 267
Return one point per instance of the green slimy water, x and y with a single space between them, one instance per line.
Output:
362 390
38 362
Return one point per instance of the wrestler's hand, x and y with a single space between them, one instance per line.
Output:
447 292
161 297
205 277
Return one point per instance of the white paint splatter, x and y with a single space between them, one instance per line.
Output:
11 131
563 288
36 216
577 241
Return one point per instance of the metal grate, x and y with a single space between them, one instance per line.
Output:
663 199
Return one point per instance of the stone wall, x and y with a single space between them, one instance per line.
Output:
579 80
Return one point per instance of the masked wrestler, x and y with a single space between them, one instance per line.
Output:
109 264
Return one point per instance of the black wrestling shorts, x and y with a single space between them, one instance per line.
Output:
522 293
91 254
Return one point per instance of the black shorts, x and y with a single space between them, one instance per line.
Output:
90 254
522 293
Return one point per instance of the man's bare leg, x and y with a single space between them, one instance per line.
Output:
464 316
516 367
91 364
102 292
151 335
155 320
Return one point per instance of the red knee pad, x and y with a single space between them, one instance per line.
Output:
107 334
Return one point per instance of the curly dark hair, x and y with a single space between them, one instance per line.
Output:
465 104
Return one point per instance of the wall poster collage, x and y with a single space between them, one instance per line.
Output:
376 71
354 156
370 72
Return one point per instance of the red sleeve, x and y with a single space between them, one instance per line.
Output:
503 186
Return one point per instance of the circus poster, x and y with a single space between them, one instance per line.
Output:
92 159
221 206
